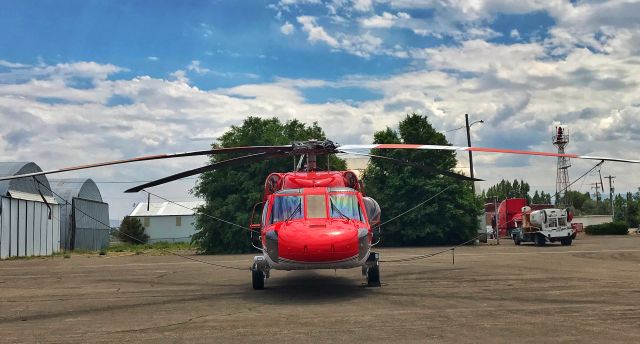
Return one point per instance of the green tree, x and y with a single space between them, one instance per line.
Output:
230 193
505 189
132 231
451 217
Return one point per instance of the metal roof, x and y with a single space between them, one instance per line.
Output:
24 188
67 189
167 209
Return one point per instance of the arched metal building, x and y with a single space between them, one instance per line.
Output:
29 214
84 217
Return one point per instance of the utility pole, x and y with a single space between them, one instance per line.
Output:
597 188
611 190
473 184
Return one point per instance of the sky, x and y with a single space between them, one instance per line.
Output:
86 81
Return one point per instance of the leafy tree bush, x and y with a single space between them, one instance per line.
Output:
450 217
132 231
230 193
611 228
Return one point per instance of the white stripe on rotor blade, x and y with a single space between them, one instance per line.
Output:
437 147
354 147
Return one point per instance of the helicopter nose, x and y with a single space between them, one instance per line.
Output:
328 245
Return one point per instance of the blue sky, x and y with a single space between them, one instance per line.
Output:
124 78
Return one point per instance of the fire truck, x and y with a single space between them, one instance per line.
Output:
544 225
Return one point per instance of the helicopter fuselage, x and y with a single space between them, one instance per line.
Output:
315 220
316 228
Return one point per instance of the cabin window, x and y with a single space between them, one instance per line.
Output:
286 207
265 207
316 207
178 221
146 221
345 205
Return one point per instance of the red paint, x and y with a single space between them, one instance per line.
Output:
513 151
315 240
335 239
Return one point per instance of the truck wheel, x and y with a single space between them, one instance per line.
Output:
540 240
516 240
257 278
566 241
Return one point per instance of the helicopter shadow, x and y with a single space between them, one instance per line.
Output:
305 287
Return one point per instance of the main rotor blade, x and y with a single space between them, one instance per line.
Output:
225 163
482 149
248 149
419 166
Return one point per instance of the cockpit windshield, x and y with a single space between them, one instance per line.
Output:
286 207
345 205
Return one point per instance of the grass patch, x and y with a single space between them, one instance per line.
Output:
157 246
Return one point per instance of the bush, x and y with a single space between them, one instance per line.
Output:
132 231
611 228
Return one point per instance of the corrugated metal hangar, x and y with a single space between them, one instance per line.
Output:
29 214
84 217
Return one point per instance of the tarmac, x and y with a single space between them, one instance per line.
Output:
588 292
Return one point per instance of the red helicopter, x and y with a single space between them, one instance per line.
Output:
312 219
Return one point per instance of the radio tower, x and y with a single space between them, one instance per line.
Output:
560 140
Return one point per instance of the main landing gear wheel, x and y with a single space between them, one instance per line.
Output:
540 240
373 270
566 241
257 278
258 274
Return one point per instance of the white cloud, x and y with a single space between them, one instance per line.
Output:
362 5
287 28
8 64
315 32
363 45
195 66
386 20
152 58
515 34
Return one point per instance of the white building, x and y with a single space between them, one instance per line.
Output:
168 221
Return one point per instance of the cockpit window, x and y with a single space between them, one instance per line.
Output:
286 207
345 205
316 207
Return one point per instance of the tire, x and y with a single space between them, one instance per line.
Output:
540 240
257 278
373 276
516 240
566 241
